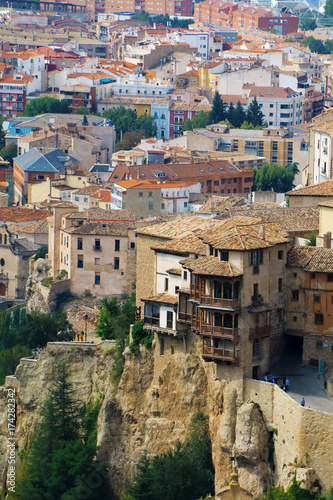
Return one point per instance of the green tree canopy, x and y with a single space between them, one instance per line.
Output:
9 152
9 359
254 114
329 8
201 120
82 110
46 105
271 177
218 112
185 472
308 24
126 120
62 452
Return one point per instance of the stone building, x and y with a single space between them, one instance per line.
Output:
221 280
96 247
309 274
14 263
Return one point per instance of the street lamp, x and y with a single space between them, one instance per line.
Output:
85 327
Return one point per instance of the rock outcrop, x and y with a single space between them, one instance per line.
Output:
148 414
36 300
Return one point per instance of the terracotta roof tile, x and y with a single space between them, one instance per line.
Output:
22 214
312 259
321 189
176 272
163 298
211 266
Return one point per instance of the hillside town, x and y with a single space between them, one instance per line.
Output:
166 237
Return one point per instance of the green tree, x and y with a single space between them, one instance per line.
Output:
82 110
185 472
85 120
329 8
315 45
46 105
200 120
271 177
9 152
143 16
308 24
41 252
218 112
295 492
129 141
239 115
231 113
254 114
147 125
10 358
312 240
62 450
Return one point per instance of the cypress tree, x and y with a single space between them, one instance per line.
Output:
218 112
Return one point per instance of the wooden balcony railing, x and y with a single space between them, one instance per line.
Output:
183 316
216 302
220 354
152 320
259 332
219 331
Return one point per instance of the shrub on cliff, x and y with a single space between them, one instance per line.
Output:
185 472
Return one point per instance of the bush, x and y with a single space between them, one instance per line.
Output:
47 282
140 336
63 274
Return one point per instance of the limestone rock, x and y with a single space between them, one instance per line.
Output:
34 298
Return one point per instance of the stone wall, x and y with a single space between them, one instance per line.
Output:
299 432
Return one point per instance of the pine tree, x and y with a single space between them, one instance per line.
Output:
254 114
231 114
239 115
62 450
218 112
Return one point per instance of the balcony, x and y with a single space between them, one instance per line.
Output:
260 332
183 316
97 248
217 354
152 320
219 331
219 302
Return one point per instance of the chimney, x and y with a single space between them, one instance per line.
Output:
262 232
327 239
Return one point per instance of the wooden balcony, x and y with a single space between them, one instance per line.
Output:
220 332
259 332
149 320
183 316
217 354
207 300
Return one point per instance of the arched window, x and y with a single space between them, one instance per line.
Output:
227 290
227 321
236 290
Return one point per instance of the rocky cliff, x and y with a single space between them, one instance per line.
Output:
148 413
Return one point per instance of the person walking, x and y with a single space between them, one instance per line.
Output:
303 402
287 384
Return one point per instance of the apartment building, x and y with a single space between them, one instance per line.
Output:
239 16
33 167
309 303
276 144
216 287
182 111
96 247
320 162
149 198
219 176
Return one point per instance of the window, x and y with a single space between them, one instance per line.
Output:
271 105
97 279
280 284
294 275
97 261
185 275
166 284
161 346
319 319
255 257
132 245
76 198
116 262
255 289
217 290
79 244
169 319
150 194
97 245
116 245
313 276
319 344
140 194
330 277
316 298
80 261
280 254
294 295
224 255
294 319
185 204
150 206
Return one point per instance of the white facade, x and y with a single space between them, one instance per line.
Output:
322 156
281 112
135 85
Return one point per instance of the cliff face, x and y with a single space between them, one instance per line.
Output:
147 412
